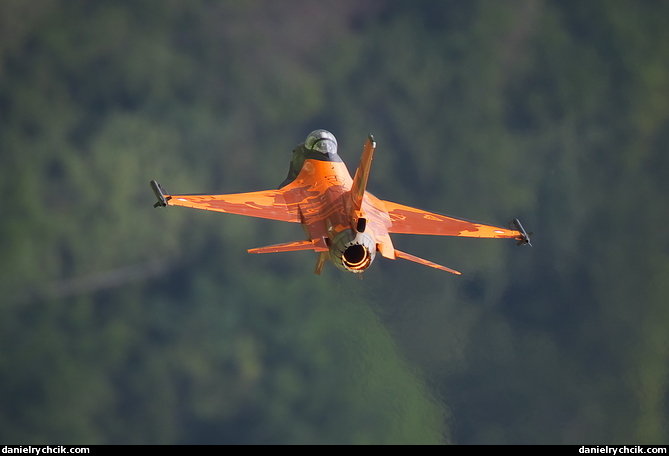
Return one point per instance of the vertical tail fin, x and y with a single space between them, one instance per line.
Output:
358 220
362 174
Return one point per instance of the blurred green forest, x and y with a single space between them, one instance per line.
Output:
120 323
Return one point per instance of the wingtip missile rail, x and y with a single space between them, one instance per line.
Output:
524 236
159 191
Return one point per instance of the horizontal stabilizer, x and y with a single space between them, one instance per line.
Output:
408 256
289 247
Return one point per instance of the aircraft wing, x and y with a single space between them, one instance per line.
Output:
410 220
269 204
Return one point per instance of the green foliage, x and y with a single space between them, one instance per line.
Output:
123 324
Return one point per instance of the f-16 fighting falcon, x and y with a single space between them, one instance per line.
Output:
344 223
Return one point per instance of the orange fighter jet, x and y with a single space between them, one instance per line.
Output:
343 222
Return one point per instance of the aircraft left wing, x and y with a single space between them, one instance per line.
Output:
410 220
269 204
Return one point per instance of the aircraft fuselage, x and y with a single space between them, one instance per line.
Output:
321 191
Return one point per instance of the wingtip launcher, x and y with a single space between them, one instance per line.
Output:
160 193
524 236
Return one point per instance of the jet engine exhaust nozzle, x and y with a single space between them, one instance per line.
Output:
352 252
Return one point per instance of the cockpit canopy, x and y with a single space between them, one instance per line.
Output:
321 141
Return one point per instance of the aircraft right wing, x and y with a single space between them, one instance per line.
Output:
410 220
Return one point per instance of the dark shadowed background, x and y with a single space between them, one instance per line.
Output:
120 323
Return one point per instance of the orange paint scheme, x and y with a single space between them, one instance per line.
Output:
343 222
